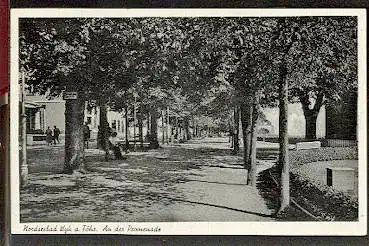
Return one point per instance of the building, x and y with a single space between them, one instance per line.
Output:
43 112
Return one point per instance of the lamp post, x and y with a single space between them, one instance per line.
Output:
23 163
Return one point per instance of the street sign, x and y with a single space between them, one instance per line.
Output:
70 95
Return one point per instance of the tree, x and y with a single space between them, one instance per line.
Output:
236 133
282 42
245 65
324 65
52 52
75 55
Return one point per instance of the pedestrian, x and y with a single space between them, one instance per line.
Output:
56 134
86 134
114 145
49 136
99 139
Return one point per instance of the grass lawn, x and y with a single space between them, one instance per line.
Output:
317 172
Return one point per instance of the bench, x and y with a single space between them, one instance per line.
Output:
36 139
308 145
122 142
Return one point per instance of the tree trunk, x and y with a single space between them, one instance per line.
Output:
255 114
193 127
283 139
104 128
154 143
230 139
236 133
311 114
179 132
127 128
172 132
148 127
74 144
140 129
176 129
134 126
187 129
168 126
246 121
310 127
162 127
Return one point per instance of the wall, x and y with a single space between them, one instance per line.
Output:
55 114
296 121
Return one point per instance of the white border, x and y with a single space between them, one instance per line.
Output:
199 228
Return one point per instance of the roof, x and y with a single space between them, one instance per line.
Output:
42 99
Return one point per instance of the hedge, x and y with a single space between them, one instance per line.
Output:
300 157
323 201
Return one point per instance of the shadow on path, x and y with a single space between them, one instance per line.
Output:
220 206
219 166
268 190
214 182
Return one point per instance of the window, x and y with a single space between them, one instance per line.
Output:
118 125
114 124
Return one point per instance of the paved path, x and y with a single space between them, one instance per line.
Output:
196 181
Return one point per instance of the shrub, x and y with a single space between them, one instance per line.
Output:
301 157
324 201
321 200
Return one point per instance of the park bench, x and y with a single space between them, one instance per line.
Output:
33 139
122 143
308 145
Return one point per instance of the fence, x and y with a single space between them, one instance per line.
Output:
338 143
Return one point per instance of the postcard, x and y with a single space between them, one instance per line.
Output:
188 121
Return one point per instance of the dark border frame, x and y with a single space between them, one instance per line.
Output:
178 240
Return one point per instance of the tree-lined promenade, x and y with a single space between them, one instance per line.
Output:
196 74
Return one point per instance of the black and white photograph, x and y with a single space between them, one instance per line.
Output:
156 121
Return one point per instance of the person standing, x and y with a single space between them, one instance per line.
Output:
99 139
49 136
86 134
56 134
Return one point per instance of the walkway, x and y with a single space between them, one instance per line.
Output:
196 181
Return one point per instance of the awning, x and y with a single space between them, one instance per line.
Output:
33 105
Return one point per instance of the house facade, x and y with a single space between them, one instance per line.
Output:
42 113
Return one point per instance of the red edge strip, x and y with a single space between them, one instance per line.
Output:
3 47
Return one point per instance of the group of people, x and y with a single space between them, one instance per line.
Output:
52 136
